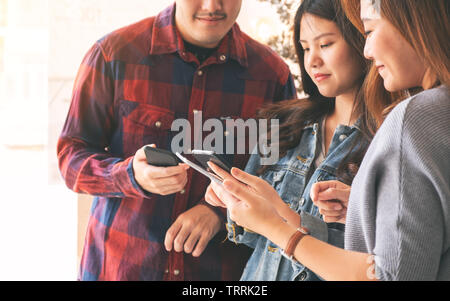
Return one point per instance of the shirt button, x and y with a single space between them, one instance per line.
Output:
183 191
176 272
342 137
223 58
166 272
302 276
276 177
200 73
226 133
158 124
293 206
302 202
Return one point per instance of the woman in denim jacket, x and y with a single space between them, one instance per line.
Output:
292 178
322 137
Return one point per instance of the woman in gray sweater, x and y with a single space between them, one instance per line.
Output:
398 219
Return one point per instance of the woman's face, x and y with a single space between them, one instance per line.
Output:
331 63
397 62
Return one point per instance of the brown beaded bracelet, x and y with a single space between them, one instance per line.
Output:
294 241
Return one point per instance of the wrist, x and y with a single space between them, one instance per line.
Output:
124 177
220 212
286 212
293 241
279 232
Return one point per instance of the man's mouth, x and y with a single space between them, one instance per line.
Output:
211 18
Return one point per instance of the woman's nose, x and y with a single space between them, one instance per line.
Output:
368 50
314 60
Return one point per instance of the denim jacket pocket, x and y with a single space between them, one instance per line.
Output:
274 176
292 187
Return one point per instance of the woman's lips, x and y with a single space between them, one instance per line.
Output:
320 77
380 69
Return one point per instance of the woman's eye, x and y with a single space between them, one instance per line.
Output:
305 49
326 45
367 33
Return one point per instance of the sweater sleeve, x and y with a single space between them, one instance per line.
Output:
398 207
422 193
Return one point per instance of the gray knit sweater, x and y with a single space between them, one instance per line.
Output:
399 207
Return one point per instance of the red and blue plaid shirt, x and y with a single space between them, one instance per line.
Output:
130 87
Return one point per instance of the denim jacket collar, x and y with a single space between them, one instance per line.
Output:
309 144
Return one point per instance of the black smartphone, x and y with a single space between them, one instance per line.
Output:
203 157
160 157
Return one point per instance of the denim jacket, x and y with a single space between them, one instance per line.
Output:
292 177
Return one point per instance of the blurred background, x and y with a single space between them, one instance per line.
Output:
42 43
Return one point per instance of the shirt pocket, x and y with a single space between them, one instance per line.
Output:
292 186
144 124
289 184
274 177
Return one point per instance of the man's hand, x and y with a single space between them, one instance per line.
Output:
159 180
194 228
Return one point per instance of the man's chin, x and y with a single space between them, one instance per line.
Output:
208 42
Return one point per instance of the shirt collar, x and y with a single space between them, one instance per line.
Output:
166 38
356 125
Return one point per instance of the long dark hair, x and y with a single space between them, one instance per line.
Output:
294 115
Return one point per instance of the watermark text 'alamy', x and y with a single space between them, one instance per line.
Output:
257 135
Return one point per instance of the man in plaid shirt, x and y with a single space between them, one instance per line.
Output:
147 222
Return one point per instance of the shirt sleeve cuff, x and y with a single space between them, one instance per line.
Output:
221 212
316 226
123 176
240 235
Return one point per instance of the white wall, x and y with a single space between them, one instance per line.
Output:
37 220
